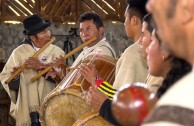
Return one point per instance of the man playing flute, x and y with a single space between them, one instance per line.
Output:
26 96
91 25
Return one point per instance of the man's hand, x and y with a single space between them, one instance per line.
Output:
88 71
58 69
59 61
34 63
95 98
13 71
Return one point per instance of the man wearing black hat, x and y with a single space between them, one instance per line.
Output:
26 96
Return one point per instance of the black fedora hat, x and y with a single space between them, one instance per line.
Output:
34 24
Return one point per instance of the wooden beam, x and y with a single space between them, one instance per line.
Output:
14 3
16 8
61 19
62 8
37 7
31 3
105 7
67 18
43 3
45 16
55 7
9 12
67 10
113 3
49 6
73 9
55 18
93 7
78 9
28 6
15 18
121 10
3 9
111 17
85 7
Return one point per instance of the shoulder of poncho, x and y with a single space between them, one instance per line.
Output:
23 47
132 50
54 47
133 47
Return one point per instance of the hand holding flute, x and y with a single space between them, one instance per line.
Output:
16 73
65 57
58 71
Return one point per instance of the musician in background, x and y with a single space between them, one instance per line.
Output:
131 66
26 96
91 25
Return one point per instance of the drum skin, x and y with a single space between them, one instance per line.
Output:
66 103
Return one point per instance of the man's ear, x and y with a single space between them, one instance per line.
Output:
32 38
101 30
187 10
134 20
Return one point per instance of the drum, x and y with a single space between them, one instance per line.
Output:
66 103
91 119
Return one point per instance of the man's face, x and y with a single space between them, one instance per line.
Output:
42 38
169 26
127 24
88 30
145 39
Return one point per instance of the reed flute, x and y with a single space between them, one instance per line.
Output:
35 55
65 57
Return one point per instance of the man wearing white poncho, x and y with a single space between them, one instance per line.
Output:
26 96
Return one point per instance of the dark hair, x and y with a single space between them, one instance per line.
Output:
179 68
137 8
92 16
149 20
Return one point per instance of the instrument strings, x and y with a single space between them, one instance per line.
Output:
97 53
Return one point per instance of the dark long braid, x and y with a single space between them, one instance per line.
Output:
179 68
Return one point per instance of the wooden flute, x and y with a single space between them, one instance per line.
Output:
35 55
65 57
